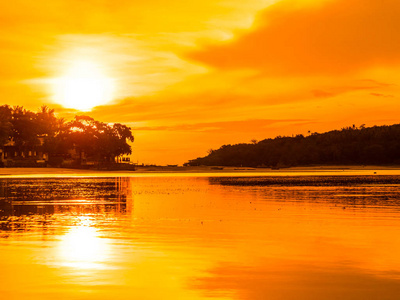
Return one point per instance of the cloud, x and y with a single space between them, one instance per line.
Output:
381 95
253 126
337 37
358 85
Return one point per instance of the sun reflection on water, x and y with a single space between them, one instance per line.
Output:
83 248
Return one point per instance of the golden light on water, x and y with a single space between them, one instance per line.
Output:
84 86
82 248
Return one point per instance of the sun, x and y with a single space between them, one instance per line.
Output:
83 86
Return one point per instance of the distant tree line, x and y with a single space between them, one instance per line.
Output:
350 145
27 130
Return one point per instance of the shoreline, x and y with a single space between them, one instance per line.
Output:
201 172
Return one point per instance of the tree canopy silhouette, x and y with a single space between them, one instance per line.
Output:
101 140
29 130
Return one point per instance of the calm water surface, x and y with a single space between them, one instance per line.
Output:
168 237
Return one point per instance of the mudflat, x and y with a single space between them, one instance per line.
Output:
203 171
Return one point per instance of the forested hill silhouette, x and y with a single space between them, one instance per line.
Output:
350 145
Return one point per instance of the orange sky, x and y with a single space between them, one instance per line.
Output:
193 75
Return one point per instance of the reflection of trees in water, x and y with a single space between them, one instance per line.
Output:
310 180
346 191
63 188
26 204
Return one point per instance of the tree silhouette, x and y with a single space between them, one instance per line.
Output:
46 132
100 140
351 145
25 128
5 124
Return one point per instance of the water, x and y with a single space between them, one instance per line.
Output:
188 237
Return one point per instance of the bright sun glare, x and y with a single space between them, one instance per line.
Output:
84 86
82 248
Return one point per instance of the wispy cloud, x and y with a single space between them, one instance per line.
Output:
250 126
381 95
341 36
